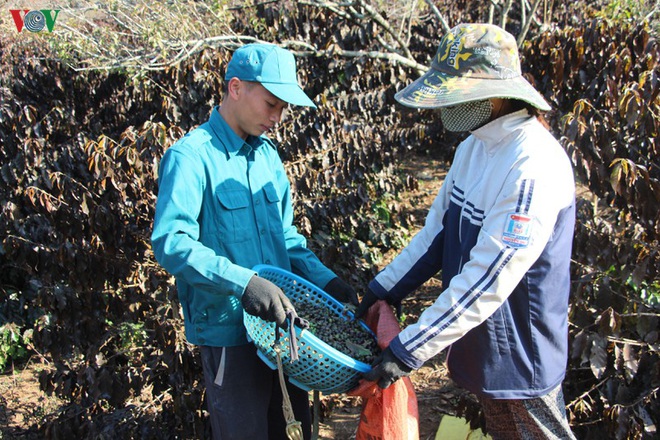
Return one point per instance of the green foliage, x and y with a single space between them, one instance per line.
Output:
633 11
647 290
13 345
131 335
382 212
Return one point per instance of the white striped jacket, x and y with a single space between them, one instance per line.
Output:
501 231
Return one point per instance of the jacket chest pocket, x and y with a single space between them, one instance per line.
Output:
234 221
273 208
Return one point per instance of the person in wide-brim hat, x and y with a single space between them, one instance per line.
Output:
500 232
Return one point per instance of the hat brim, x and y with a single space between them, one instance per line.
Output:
435 89
291 93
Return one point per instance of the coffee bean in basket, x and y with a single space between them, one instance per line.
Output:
341 333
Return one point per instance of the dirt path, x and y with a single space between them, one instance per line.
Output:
22 403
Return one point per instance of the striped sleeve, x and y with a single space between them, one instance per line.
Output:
420 259
513 235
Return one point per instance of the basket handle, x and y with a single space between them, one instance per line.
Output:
293 427
294 320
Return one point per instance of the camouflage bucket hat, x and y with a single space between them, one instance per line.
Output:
473 62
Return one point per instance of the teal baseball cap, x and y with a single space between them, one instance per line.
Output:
273 67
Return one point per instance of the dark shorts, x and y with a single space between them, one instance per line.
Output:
244 396
528 419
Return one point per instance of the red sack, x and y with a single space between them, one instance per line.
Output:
390 413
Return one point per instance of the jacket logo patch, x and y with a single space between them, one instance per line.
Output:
517 230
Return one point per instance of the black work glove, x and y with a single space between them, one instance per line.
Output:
368 300
387 369
265 300
341 291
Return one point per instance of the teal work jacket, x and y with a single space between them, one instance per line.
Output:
224 206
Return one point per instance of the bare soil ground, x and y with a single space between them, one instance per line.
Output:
24 405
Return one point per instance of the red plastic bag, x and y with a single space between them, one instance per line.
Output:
390 413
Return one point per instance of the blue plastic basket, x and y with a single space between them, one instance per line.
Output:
319 366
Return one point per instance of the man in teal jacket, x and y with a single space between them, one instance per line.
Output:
224 206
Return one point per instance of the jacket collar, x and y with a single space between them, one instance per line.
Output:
495 131
230 142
